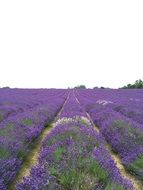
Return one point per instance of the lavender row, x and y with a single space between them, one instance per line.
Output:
72 108
127 102
73 156
15 101
124 135
18 133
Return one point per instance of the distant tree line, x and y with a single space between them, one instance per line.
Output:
137 84
80 87
84 87
96 87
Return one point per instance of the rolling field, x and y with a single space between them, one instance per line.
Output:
53 139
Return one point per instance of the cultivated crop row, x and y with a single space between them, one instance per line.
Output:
118 115
19 132
74 156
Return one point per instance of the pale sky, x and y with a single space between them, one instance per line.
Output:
62 43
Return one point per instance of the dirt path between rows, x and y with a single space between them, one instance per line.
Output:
32 158
136 183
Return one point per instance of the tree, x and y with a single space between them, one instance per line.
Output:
81 87
96 87
137 84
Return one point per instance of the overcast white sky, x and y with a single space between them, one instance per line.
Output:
56 43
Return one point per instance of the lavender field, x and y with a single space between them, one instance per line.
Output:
72 139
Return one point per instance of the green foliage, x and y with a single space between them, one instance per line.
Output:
120 124
27 122
67 135
68 178
7 130
53 171
95 169
3 153
84 122
22 154
86 176
59 152
1 117
137 166
128 132
80 87
77 171
101 87
112 186
137 84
